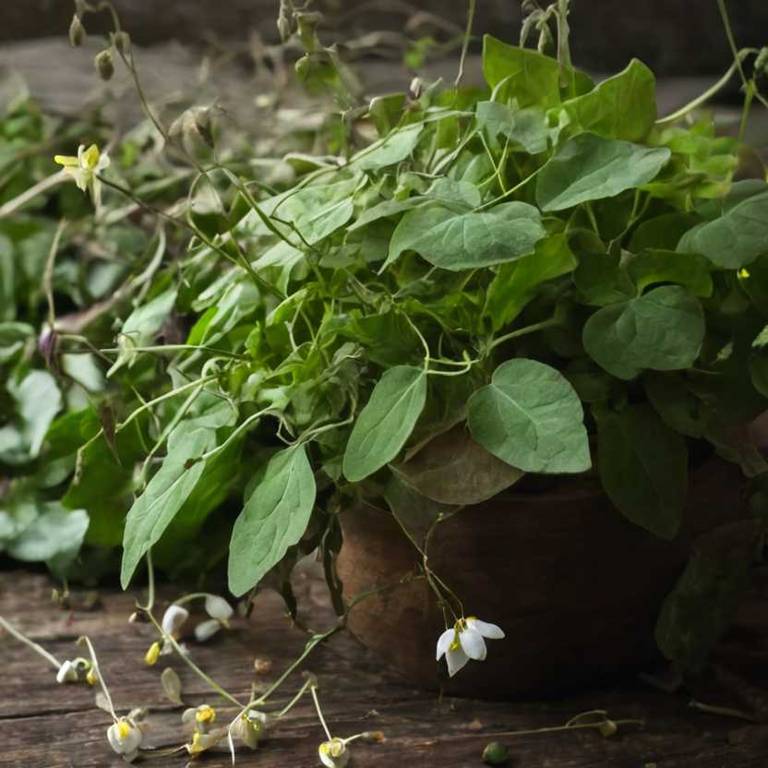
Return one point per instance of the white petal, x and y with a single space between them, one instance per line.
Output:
206 630
218 608
173 618
472 643
491 631
103 162
456 659
113 740
443 642
132 741
67 673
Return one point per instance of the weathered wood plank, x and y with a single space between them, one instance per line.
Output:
44 725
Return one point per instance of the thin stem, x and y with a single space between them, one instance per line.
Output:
465 44
713 90
38 649
48 273
292 703
555 320
209 681
42 186
97 671
150 584
313 691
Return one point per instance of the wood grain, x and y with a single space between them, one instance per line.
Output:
43 725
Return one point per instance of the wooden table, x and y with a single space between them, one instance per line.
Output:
45 725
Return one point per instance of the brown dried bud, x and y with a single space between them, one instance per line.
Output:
262 666
104 64
76 32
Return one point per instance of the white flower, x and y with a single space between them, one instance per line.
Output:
125 738
220 612
251 727
333 753
173 619
465 641
67 673
200 718
84 169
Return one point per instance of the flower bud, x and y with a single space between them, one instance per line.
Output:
495 753
152 654
608 728
122 41
262 666
67 673
92 678
76 32
104 64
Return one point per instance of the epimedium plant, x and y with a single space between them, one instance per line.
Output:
543 268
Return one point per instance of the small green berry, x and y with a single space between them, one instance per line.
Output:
495 753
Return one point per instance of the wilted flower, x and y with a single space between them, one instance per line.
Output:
173 619
76 671
333 753
125 738
465 641
220 612
251 727
67 673
200 718
84 167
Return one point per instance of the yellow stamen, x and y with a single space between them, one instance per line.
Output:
743 273
205 714
123 729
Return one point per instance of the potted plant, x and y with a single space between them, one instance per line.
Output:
493 364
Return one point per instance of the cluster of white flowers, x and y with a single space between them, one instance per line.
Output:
77 671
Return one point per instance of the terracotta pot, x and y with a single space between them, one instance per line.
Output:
575 586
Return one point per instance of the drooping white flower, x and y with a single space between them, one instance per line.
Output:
173 619
84 169
125 738
220 612
251 727
333 753
200 718
67 673
465 641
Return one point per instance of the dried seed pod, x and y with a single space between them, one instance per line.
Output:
104 64
76 32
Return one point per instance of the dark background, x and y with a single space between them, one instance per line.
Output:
675 37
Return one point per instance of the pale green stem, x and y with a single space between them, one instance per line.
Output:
97 672
42 186
465 44
38 649
313 691
523 331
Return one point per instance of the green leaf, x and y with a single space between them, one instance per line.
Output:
391 150
164 495
661 330
453 469
13 338
531 417
386 422
677 405
621 107
54 533
661 266
643 468
700 608
515 284
524 127
454 241
736 238
37 400
274 518
588 167
529 77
